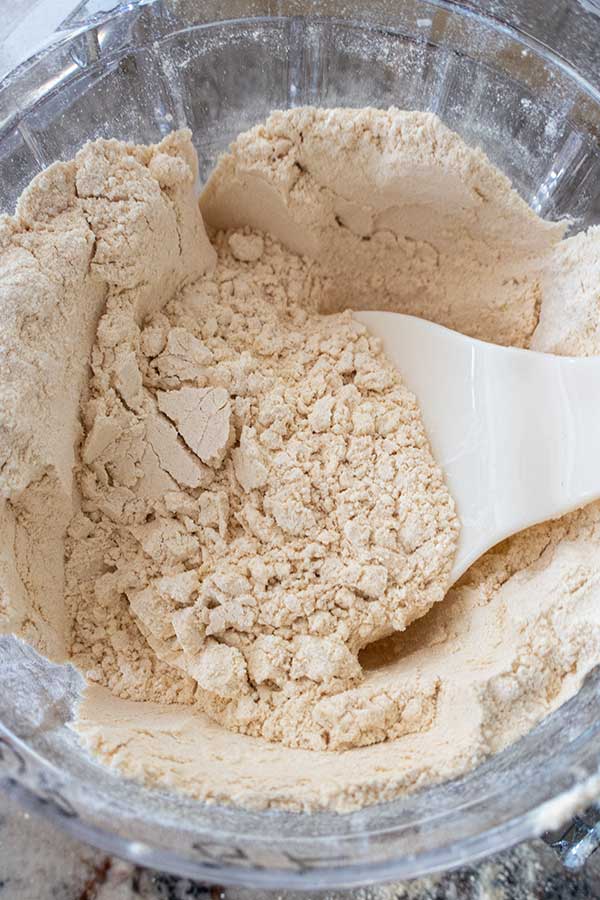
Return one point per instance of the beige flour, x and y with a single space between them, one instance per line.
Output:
271 504
200 389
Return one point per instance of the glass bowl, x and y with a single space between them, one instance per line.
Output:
520 80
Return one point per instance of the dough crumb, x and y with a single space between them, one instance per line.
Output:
246 247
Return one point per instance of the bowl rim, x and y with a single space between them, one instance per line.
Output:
30 782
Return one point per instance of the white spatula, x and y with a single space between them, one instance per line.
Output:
517 433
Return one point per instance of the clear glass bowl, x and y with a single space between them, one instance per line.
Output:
521 80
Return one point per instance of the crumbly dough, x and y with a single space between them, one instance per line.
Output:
200 388
266 485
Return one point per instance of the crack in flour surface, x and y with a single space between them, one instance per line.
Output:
232 522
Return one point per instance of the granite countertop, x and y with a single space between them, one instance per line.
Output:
39 862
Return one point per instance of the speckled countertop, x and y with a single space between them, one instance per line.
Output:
39 862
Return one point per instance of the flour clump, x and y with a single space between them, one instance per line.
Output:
272 501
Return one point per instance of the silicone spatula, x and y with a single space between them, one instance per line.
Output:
516 432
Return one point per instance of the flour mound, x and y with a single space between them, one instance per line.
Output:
266 483
107 262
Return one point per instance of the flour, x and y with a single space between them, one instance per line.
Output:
398 211
233 447
294 513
